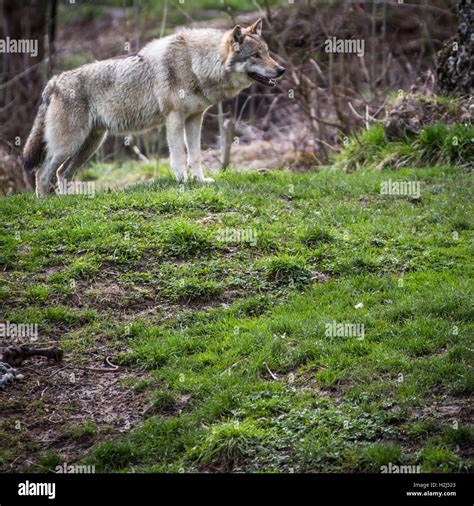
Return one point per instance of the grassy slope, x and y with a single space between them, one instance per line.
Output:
243 376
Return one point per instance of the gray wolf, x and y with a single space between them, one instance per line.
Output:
171 81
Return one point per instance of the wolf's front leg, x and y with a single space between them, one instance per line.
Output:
192 128
175 136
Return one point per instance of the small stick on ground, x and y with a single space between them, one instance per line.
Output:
270 372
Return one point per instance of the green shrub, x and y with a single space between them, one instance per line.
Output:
437 144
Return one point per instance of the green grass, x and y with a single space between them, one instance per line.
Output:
243 373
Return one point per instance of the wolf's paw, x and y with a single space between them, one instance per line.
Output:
202 179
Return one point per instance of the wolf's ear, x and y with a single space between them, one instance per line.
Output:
256 27
237 35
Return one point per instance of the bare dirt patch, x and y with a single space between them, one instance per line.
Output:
66 409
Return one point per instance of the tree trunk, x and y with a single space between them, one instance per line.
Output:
226 135
454 66
23 27
22 69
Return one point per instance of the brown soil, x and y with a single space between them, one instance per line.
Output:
40 412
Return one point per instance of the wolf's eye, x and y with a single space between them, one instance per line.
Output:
256 55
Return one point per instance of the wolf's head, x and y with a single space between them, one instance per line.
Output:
248 54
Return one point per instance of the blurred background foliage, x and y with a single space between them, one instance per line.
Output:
301 123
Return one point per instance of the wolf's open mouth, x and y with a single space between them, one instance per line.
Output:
267 81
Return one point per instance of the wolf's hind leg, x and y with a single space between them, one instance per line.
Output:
175 135
192 128
66 127
89 147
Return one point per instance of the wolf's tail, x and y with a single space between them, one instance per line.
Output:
35 148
